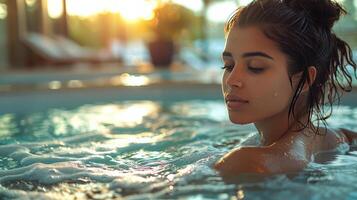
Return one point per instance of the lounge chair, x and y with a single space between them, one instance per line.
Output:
59 50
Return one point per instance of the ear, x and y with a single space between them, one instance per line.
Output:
312 76
312 71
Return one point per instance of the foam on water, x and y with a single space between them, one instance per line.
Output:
97 166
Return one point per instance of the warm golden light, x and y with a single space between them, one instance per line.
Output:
135 80
240 194
54 85
30 3
55 8
82 8
244 2
126 116
130 80
6 125
3 11
75 84
130 10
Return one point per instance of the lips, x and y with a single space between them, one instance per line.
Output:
235 102
235 98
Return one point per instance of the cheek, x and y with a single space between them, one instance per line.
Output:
273 96
266 100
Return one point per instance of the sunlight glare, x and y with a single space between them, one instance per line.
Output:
130 10
130 80
55 8
7 125
82 8
220 11
124 116
3 11
54 85
244 2
30 3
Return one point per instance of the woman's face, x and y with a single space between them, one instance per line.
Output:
255 83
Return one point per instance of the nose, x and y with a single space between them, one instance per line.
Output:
235 78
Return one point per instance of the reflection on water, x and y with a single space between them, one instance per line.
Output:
149 150
130 80
6 125
60 122
54 85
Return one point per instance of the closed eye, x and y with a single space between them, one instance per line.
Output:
255 69
228 68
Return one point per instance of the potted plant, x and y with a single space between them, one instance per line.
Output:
169 22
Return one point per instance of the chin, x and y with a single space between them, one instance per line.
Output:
239 120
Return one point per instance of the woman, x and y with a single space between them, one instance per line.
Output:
281 63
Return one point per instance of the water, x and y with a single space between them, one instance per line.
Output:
150 150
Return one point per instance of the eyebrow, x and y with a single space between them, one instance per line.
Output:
248 54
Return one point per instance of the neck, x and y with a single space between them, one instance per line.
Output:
275 127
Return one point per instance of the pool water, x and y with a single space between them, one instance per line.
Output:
151 150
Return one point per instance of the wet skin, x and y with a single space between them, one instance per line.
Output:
257 90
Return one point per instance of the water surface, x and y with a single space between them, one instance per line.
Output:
150 150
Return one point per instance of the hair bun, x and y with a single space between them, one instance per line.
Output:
322 12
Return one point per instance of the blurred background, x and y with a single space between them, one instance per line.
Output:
57 34
73 44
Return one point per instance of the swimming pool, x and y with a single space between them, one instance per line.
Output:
157 141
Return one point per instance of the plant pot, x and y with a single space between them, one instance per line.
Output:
161 52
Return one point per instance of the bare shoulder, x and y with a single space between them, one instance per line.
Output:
263 160
241 160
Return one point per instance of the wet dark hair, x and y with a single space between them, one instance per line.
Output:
303 31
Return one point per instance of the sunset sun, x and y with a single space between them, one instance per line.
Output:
131 10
